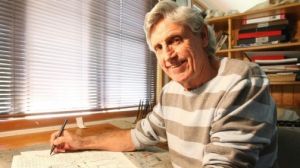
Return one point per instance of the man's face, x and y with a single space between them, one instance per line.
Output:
180 53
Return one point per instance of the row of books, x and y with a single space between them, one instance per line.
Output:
264 30
221 38
278 65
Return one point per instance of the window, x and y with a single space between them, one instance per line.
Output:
73 55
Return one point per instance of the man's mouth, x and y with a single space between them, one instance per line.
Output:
177 64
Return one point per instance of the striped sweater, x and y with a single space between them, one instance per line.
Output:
230 121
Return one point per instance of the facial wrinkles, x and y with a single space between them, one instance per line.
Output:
195 57
198 59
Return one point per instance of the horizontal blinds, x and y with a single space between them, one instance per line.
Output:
121 51
73 55
6 62
54 59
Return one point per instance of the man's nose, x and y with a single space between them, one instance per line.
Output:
169 52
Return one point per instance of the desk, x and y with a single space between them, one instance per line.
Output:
10 146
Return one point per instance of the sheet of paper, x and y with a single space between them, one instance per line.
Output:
91 159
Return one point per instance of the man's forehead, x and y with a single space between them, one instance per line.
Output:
165 28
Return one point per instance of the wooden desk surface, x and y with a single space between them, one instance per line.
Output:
20 141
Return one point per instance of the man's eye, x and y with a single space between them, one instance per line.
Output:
158 48
177 40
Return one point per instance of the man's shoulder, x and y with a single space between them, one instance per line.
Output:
239 67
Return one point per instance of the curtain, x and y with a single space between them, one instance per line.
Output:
73 55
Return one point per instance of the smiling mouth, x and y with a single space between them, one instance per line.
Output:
177 64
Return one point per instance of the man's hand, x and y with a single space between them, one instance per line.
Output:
67 142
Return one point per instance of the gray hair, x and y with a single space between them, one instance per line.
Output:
167 9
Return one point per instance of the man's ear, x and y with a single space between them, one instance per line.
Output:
204 36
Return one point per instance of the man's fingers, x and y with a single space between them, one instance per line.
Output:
59 150
58 141
59 145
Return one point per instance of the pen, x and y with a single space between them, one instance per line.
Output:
59 134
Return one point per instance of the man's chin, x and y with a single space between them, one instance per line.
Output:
182 80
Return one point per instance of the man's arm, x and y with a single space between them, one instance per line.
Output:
243 133
117 140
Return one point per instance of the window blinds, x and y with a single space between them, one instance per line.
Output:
76 55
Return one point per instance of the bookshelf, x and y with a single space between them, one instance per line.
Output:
284 93
232 23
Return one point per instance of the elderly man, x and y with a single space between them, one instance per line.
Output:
214 113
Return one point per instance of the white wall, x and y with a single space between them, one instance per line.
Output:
225 5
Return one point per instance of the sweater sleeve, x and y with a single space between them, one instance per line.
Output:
244 128
150 130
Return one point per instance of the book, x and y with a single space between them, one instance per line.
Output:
293 54
294 66
219 35
282 77
283 27
271 71
266 57
264 19
263 26
260 34
221 41
262 40
280 68
279 61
